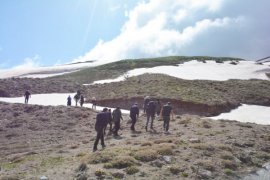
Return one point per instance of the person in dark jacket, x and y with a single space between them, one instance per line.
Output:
117 116
145 103
27 95
134 114
101 120
109 122
158 107
150 113
69 101
81 100
166 112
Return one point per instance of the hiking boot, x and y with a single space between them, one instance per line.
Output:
146 128
95 149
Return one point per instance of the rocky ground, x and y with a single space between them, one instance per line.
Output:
57 141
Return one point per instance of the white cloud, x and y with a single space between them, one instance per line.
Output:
186 27
115 8
29 63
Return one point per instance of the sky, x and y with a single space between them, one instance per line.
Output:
48 32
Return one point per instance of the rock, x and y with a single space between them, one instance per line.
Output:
43 178
266 149
204 174
167 159
194 140
157 163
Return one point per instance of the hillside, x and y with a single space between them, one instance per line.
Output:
115 69
57 142
196 97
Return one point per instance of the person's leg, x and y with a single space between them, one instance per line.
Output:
164 123
152 120
97 139
133 119
102 140
168 124
147 121
117 127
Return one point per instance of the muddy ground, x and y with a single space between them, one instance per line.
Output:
57 142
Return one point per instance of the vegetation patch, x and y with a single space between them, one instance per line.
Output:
203 146
175 169
100 157
121 162
132 170
165 149
100 173
229 164
146 155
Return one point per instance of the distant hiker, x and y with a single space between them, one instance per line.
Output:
134 114
117 116
108 122
158 107
150 113
166 112
101 121
69 101
27 95
94 103
77 97
145 102
81 100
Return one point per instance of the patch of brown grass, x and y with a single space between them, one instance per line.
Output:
121 162
146 155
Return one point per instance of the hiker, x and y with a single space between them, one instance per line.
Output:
134 114
81 100
117 116
150 113
69 101
158 107
27 95
108 122
145 102
166 112
101 121
94 103
77 97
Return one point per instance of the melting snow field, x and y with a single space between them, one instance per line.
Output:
43 72
205 71
54 99
245 113
248 113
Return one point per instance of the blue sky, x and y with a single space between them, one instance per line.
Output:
49 32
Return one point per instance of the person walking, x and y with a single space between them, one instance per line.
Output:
134 114
150 114
69 101
166 112
158 107
27 95
81 100
117 116
94 103
109 122
77 97
145 103
101 120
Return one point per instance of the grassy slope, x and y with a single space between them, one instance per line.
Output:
196 91
115 69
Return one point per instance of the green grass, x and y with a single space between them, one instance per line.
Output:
114 69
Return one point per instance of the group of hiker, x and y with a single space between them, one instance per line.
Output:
78 98
151 109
